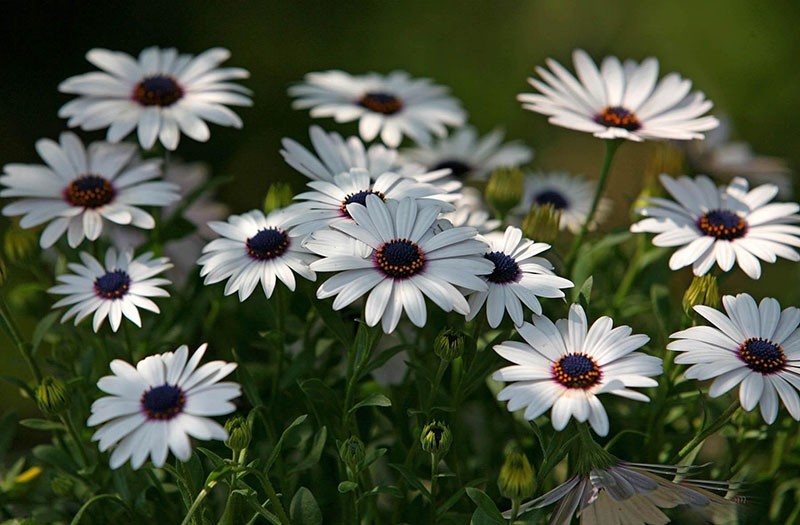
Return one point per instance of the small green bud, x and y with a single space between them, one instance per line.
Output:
504 189
279 195
516 477
542 223
239 433
19 244
435 438
52 396
703 290
62 485
449 344
352 452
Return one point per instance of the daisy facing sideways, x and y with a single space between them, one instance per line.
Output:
113 290
390 106
161 94
725 225
754 346
79 188
619 101
567 364
159 404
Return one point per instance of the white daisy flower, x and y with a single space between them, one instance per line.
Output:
755 345
571 195
327 204
160 95
470 211
518 278
79 188
158 405
619 101
390 106
725 225
408 262
119 288
255 248
567 364
468 156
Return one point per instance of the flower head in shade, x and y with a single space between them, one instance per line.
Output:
565 365
255 248
619 101
754 346
161 94
113 290
406 261
468 156
519 277
390 106
726 225
79 189
158 405
569 194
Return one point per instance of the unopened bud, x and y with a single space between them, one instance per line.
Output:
542 223
62 485
449 344
516 477
352 452
504 189
239 433
52 396
703 290
279 195
435 438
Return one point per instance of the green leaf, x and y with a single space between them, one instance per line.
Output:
347 486
314 454
372 456
42 327
333 321
304 510
277 449
56 457
411 478
584 291
100 497
373 400
381 359
42 424
488 510
246 380
8 428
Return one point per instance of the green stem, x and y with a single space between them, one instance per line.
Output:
197 502
73 432
630 274
437 380
128 341
434 464
13 332
611 149
708 431
514 509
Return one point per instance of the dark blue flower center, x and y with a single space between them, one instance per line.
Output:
506 269
359 198
762 355
163 402
456 167
552 197
722 224
381 102
267 244
400 258
577 371
157 90
89 191
113 285
618 117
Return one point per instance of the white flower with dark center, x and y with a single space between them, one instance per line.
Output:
407 263
468 156
754 346
567 364
158 405
470 211
255 248
161 94
571 195
327 204
619 101
726 225
519 276
390 106
78 189
119 288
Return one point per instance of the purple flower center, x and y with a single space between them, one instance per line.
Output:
506 269
89 191
618 117
577 371
457 167
158 90
552 197
113 285
359 198
722 224
163 402
762 355
267 244
400 258
381 102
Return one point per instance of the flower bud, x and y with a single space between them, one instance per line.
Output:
279 195
542 223
516 477
352 452
62 485
449 344
52 396
435 438
504 189
703 290
239 433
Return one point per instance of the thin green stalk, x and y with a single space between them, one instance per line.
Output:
197 502
708 431
273 497
13 332
434 464
73 432
630 274
128 341
437 380
608 157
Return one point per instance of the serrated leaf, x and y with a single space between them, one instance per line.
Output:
346 486
42 424
486 505
373 400
304 510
